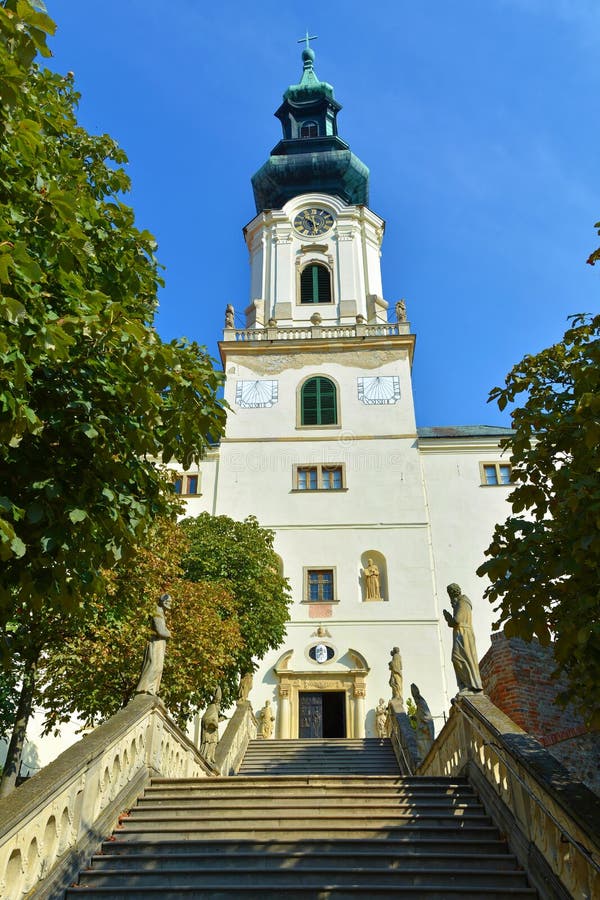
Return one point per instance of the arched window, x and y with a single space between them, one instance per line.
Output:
315 284
309 130
318 402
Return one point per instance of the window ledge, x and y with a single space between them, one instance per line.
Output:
316 427
319 490
316 602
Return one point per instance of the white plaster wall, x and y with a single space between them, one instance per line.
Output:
463 513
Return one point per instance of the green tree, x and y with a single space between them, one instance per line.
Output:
544 560
95 672
89 394
240 556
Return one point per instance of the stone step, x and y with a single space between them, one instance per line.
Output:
289 816
252 807
279 801
259 781
331 890
406 858
300 830
313 877
399 845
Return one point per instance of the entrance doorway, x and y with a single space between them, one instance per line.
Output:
322 714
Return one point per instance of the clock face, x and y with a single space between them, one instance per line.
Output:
313 221
379 390
256 394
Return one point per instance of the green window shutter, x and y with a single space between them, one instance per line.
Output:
318 402
315 285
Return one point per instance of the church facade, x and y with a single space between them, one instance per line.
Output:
373 516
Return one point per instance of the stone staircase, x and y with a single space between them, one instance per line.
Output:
369 756
325 820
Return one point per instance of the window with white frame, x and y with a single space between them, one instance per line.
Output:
495 474
319 477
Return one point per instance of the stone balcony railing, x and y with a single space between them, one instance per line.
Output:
551 821
314 332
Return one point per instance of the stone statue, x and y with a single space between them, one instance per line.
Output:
209 728
395 666
154 654
425 731
464 652
245 687
229 316
381 719
266 720
401 311
371 573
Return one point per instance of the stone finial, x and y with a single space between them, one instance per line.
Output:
272 323
464 651
316 318
154 654
229 316
360 319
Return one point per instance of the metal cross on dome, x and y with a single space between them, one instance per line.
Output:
307 38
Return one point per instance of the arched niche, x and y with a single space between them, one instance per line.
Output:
378 559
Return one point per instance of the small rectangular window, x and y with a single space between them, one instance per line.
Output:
186 485
319 478
495 474
320 585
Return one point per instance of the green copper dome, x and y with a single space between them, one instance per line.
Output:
311 156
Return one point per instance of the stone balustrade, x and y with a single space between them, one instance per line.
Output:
240 730
552 822
403 737
53 822
322 331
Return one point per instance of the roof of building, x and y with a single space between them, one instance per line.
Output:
462 431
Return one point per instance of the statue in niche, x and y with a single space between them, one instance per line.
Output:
266 720
154 654
425 730
209 727
395 666
373 589
229 316
401 311
381 719
245 687
464 651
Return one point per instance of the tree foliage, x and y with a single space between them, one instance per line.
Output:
544 560
89 394
95 672
240 556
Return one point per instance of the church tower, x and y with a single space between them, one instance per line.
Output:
321 444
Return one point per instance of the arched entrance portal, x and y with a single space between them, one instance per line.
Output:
323 703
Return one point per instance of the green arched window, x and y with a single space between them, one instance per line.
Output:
315 284
318 402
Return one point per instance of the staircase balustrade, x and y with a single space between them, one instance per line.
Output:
552 822
232 746
50 825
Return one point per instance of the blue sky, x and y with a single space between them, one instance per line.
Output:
478 121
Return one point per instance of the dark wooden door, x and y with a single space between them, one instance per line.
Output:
311 715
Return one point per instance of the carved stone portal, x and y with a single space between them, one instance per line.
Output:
351 680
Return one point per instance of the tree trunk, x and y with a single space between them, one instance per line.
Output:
14 755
